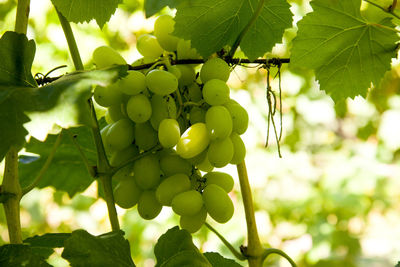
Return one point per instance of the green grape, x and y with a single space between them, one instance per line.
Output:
124 173
115 112
216 92
163 28
218 122
218 204
175 71
161 82
107 96
146 171
134 83
146 136
171 186
220 152
193 141
205 165
163 107
172 164
239 149
108 118
240 118
148 46
104 56
196 115
223 180
184 50
187 75
193 223
138 108
122 156
169 133
195 93
127 193
121 134
199 158
187 203
214 68
103 134
148 206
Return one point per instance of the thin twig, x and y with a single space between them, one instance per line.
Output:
390 11
270 251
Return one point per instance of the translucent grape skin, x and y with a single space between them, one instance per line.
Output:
163 28
134 83
148 46
220 152
122 156
115 112
173 164
193 223
138 108
148 206
218 122
146 171
120 135
171 186
146 137
214 68
193 141
239 149
163 107
197 115
127 193
169 133
161 82
216 92
107 96
240 118
218 204
105 56
187 203
222 179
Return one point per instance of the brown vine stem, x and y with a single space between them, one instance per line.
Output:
254 250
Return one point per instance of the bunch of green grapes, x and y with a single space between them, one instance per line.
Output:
169 127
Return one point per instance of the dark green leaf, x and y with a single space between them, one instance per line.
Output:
49 240
174 242
217 260
16 53
186 258
84 249
347 52
20 255
86 10
151 7
67 171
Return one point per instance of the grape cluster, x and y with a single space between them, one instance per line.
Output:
176 125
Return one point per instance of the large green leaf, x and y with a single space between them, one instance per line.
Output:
347 52
86 10
16 53
20 255
151 7
217 260
84 249
213 24
67 171
176 248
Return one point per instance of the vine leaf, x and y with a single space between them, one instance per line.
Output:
151 7
20 255
217 260
110 249
347 52
86 10
213 24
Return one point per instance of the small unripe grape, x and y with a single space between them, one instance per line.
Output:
103 134
127 193
214 68
115 112
148 46
163 107
146 171
107 96
195 93
218 122
105 56
216 92
173 164
122 156
121 134
161 82
146 137
134 83
169 133
171 186
175 71
196 115
223 180
220 152
218 204
124 173
192 223
138 108
187 203
205 165
148 206
193 141
239 149
163 28
240 118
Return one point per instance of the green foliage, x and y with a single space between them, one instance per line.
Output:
86 10
347 52
151 7
217 260
110 249
20 255
211 25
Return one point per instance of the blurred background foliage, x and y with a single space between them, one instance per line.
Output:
331 200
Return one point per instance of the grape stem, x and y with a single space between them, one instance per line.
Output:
102 162
389 10
270 251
